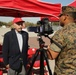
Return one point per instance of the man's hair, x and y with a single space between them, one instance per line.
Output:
71 11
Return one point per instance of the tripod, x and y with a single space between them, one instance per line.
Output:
43 56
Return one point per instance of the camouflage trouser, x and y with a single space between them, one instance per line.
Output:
68 73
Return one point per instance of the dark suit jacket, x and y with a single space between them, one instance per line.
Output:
11 49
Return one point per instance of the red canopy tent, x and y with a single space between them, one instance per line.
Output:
28 8
52 18
72 3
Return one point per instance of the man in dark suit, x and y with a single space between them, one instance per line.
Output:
15 47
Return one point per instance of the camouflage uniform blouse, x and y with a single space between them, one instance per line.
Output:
66 60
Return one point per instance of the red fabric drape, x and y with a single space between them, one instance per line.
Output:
28 8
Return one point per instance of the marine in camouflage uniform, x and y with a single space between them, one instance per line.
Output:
66 61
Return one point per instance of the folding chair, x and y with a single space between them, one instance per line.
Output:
1 71
2 66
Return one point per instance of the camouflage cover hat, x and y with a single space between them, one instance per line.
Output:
67 9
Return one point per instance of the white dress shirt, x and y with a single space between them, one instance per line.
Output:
20 40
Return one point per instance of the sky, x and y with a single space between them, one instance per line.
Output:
35 19
63 2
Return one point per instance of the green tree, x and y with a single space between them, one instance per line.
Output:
3 23
10 24
29 24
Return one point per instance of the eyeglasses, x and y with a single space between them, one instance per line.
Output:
19 23
60 15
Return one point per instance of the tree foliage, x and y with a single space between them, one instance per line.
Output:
30 24
3 23
9 24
